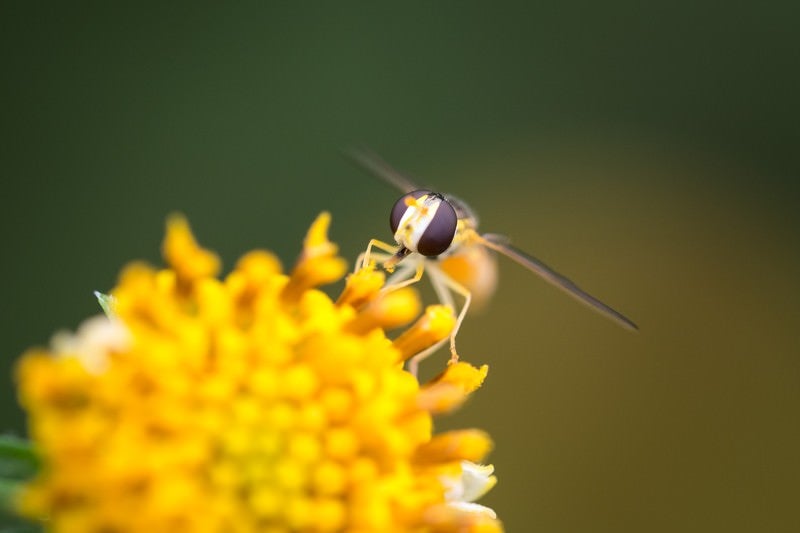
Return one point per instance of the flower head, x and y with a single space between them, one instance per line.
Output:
251 403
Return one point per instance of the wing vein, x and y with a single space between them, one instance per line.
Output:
562 282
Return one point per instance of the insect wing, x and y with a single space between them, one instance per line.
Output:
501 245
374 164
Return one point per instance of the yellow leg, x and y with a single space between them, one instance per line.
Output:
405 283
378 257
413 363
386 247
443 285
463 291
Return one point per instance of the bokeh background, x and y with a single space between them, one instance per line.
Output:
648 151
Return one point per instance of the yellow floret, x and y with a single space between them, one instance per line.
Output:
252 403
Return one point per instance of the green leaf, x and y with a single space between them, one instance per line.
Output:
7 490
18 461
9 523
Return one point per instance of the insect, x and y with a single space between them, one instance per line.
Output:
438 234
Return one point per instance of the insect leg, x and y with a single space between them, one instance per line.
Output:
413 363
366 257
378 257
442 293
403 278
440 287
402 273
397 281
443 284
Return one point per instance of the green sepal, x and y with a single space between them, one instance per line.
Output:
107 302
18 463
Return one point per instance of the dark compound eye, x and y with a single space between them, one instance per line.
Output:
400 208
438 236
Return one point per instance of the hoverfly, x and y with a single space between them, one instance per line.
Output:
438 234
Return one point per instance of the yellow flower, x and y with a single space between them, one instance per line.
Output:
251 403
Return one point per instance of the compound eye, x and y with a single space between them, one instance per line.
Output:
439 233
400 208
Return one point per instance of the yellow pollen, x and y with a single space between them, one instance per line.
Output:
361 287
449 389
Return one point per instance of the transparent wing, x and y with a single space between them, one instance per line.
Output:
374 164
500 244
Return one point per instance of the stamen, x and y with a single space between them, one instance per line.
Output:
361 287
391 310
318 264
435 325
466 444
452 387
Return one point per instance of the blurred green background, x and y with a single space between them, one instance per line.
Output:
648 151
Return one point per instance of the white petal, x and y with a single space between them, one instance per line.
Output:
96 337
473 508
475 481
